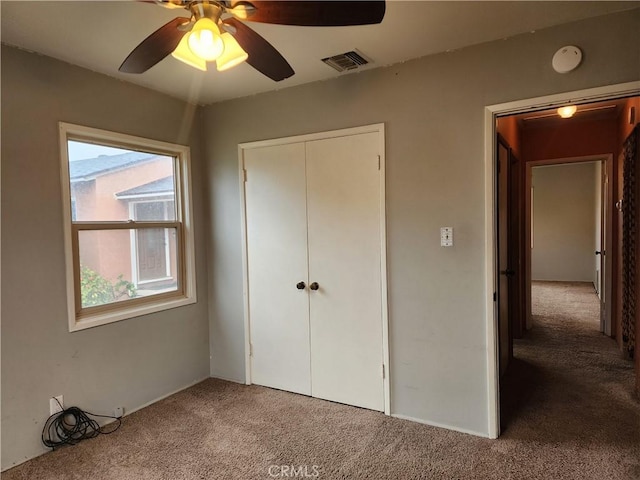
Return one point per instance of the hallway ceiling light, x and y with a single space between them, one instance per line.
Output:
584 109
568 111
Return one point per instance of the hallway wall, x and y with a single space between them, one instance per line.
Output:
575 138
510 130
564 226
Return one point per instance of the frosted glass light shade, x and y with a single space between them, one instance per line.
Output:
205 40
233 53
568 111
184 54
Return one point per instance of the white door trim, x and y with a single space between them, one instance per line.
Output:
490 113
375 128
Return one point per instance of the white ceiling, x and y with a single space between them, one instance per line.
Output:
99 35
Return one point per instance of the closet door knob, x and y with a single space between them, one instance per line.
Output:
300 285
314 286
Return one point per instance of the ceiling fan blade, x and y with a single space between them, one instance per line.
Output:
262 55
309 13
155 47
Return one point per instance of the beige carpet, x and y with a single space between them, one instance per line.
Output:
570 414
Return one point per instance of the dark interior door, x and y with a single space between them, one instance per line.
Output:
505 273
517 306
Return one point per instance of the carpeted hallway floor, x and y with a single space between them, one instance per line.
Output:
569 413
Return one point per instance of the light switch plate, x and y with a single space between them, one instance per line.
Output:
446 236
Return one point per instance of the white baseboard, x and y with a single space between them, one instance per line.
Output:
173 392
226 379
441 425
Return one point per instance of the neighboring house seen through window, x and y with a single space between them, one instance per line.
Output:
129 243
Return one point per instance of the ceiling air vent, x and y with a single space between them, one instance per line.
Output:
346 61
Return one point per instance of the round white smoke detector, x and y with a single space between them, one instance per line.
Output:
567 59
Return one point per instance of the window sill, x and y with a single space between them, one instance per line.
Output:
103 318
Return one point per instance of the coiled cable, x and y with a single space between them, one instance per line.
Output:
72 425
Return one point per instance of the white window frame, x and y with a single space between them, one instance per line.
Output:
81 318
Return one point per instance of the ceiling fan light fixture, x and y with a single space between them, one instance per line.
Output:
232 55
208 17
205 40
185 55
568 111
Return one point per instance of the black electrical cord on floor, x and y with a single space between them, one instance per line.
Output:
73 425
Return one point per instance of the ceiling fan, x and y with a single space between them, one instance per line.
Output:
215 32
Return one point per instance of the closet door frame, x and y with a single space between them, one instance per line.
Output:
375 128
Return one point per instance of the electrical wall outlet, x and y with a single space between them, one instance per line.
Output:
118 412
446 236
54 406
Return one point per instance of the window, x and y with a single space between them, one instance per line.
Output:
153 250
128 235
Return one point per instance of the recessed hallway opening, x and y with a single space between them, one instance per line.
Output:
568 381
565 209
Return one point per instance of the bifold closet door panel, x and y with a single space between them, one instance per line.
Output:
276 216
343 203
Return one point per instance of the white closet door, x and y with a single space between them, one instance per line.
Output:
343 202
276 218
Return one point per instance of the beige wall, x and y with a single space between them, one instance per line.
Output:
564 227
433 110
128 363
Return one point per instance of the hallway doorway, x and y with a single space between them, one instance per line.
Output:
594 132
